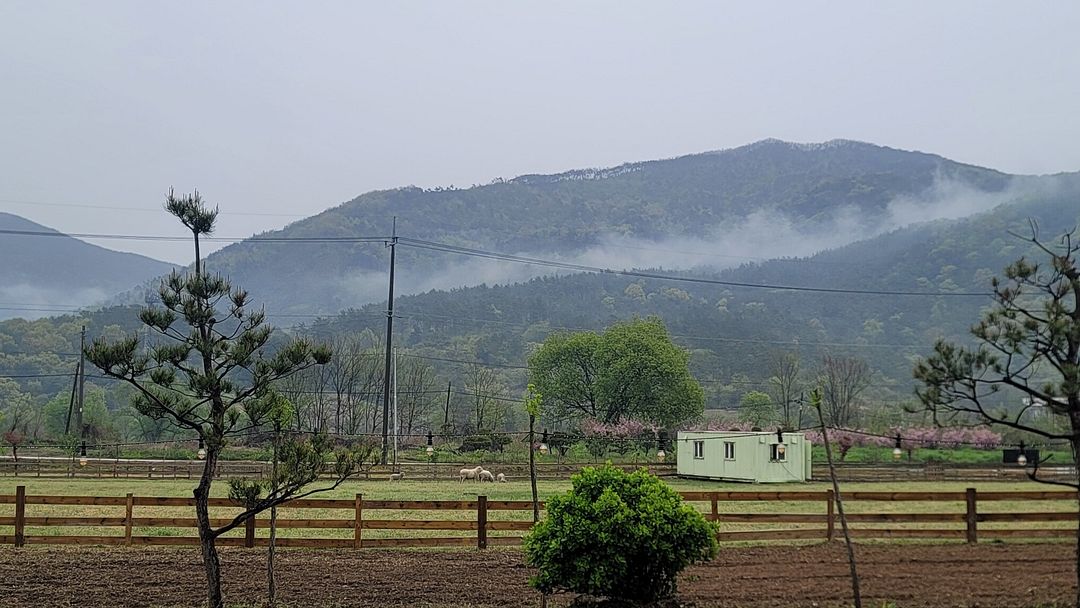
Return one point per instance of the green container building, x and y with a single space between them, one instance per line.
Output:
752 456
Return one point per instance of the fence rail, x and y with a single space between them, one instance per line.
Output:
798 515
191 469
33 466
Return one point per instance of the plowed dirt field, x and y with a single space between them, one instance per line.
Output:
986 576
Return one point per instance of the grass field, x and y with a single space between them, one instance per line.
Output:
415 489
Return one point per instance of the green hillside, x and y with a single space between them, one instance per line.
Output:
565 214
731 331
45 271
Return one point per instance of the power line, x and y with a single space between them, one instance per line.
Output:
467 251
434 246
143 209
151 237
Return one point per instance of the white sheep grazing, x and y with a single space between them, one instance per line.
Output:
487 476
470 473
397 476
501 478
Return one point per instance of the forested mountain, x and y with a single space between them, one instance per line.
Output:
43 272
574 215
732 331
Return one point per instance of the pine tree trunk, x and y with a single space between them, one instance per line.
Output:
206 535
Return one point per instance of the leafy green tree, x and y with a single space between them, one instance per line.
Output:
631 371
206 373
617 535
1028 345
757 408
97 420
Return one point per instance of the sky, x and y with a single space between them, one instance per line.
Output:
277 111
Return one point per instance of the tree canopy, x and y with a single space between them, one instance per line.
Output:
630 371
1028 345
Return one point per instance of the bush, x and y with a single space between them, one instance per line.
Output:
618 535
485 441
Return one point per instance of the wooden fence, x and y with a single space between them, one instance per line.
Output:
191 469
101 468
781 516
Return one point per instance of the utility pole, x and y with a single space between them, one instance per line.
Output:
396 426
82 381
446 413
389 344
71 403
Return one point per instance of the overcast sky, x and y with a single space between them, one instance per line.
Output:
277 111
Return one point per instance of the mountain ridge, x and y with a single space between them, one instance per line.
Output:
60 269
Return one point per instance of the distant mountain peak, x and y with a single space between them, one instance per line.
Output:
62 271
832 144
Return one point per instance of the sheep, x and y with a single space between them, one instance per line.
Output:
486 476
501 478
397 476
470 473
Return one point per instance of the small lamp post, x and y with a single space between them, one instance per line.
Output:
202 450
82 454
661 443
543 443
430 447
1022 458
897 453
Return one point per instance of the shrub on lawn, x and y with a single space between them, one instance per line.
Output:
617 535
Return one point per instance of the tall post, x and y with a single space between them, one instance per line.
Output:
446 412
396 426
71 403
389 344
82 381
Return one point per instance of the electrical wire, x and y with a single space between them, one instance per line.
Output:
219 239
442 247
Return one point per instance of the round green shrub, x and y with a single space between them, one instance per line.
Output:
617 535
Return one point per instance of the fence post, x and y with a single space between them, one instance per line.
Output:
830 517
972 516
715 507
358 523
20 515
249 532
481 522
127 518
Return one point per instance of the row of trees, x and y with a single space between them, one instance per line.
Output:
842 381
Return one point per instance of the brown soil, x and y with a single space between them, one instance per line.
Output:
986 576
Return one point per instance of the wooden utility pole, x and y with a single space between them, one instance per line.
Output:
446 412
71 403
82 381
389 345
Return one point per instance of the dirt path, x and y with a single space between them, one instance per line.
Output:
986 576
